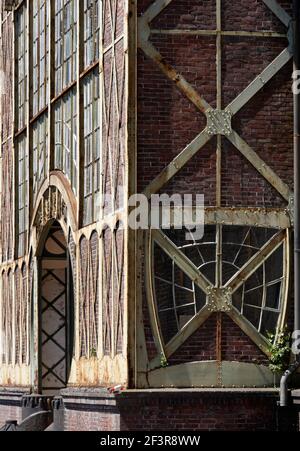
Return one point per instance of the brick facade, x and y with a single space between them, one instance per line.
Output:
174 410
166 123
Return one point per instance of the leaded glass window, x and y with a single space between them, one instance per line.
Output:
22 162
40 152
21 66
91 147
65 43
91 31
40 53
224 253
66 137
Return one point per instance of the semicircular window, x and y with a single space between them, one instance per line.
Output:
247 260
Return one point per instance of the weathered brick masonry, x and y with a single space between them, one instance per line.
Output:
170 410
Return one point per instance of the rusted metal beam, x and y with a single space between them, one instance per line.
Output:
174 76
255 217
260 166
248 34
277 218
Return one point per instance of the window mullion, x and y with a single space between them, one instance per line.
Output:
80 112
28 157
51 86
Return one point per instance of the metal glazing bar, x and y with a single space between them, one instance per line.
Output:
181 260
255 262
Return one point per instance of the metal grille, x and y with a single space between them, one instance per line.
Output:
54 313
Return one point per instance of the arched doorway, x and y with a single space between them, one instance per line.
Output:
55 312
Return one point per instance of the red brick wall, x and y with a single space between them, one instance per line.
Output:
200 346
175 410
237 346
208 413
76 420
10 412
11 405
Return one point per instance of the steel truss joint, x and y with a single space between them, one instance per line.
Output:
219 299
219 122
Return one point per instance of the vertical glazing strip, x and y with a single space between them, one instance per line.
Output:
29 116
51 87
100 213
80 112
101 105
135 334
14 218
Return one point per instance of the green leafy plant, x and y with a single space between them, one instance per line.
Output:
163 361
280 350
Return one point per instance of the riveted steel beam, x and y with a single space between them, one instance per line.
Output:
181 260
155 9
255 262
275 218
248 34
260 81
253 217
177 164
174 76
249 330
279 12
260 165
187 331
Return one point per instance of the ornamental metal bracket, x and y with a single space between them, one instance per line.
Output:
219 299
219 122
